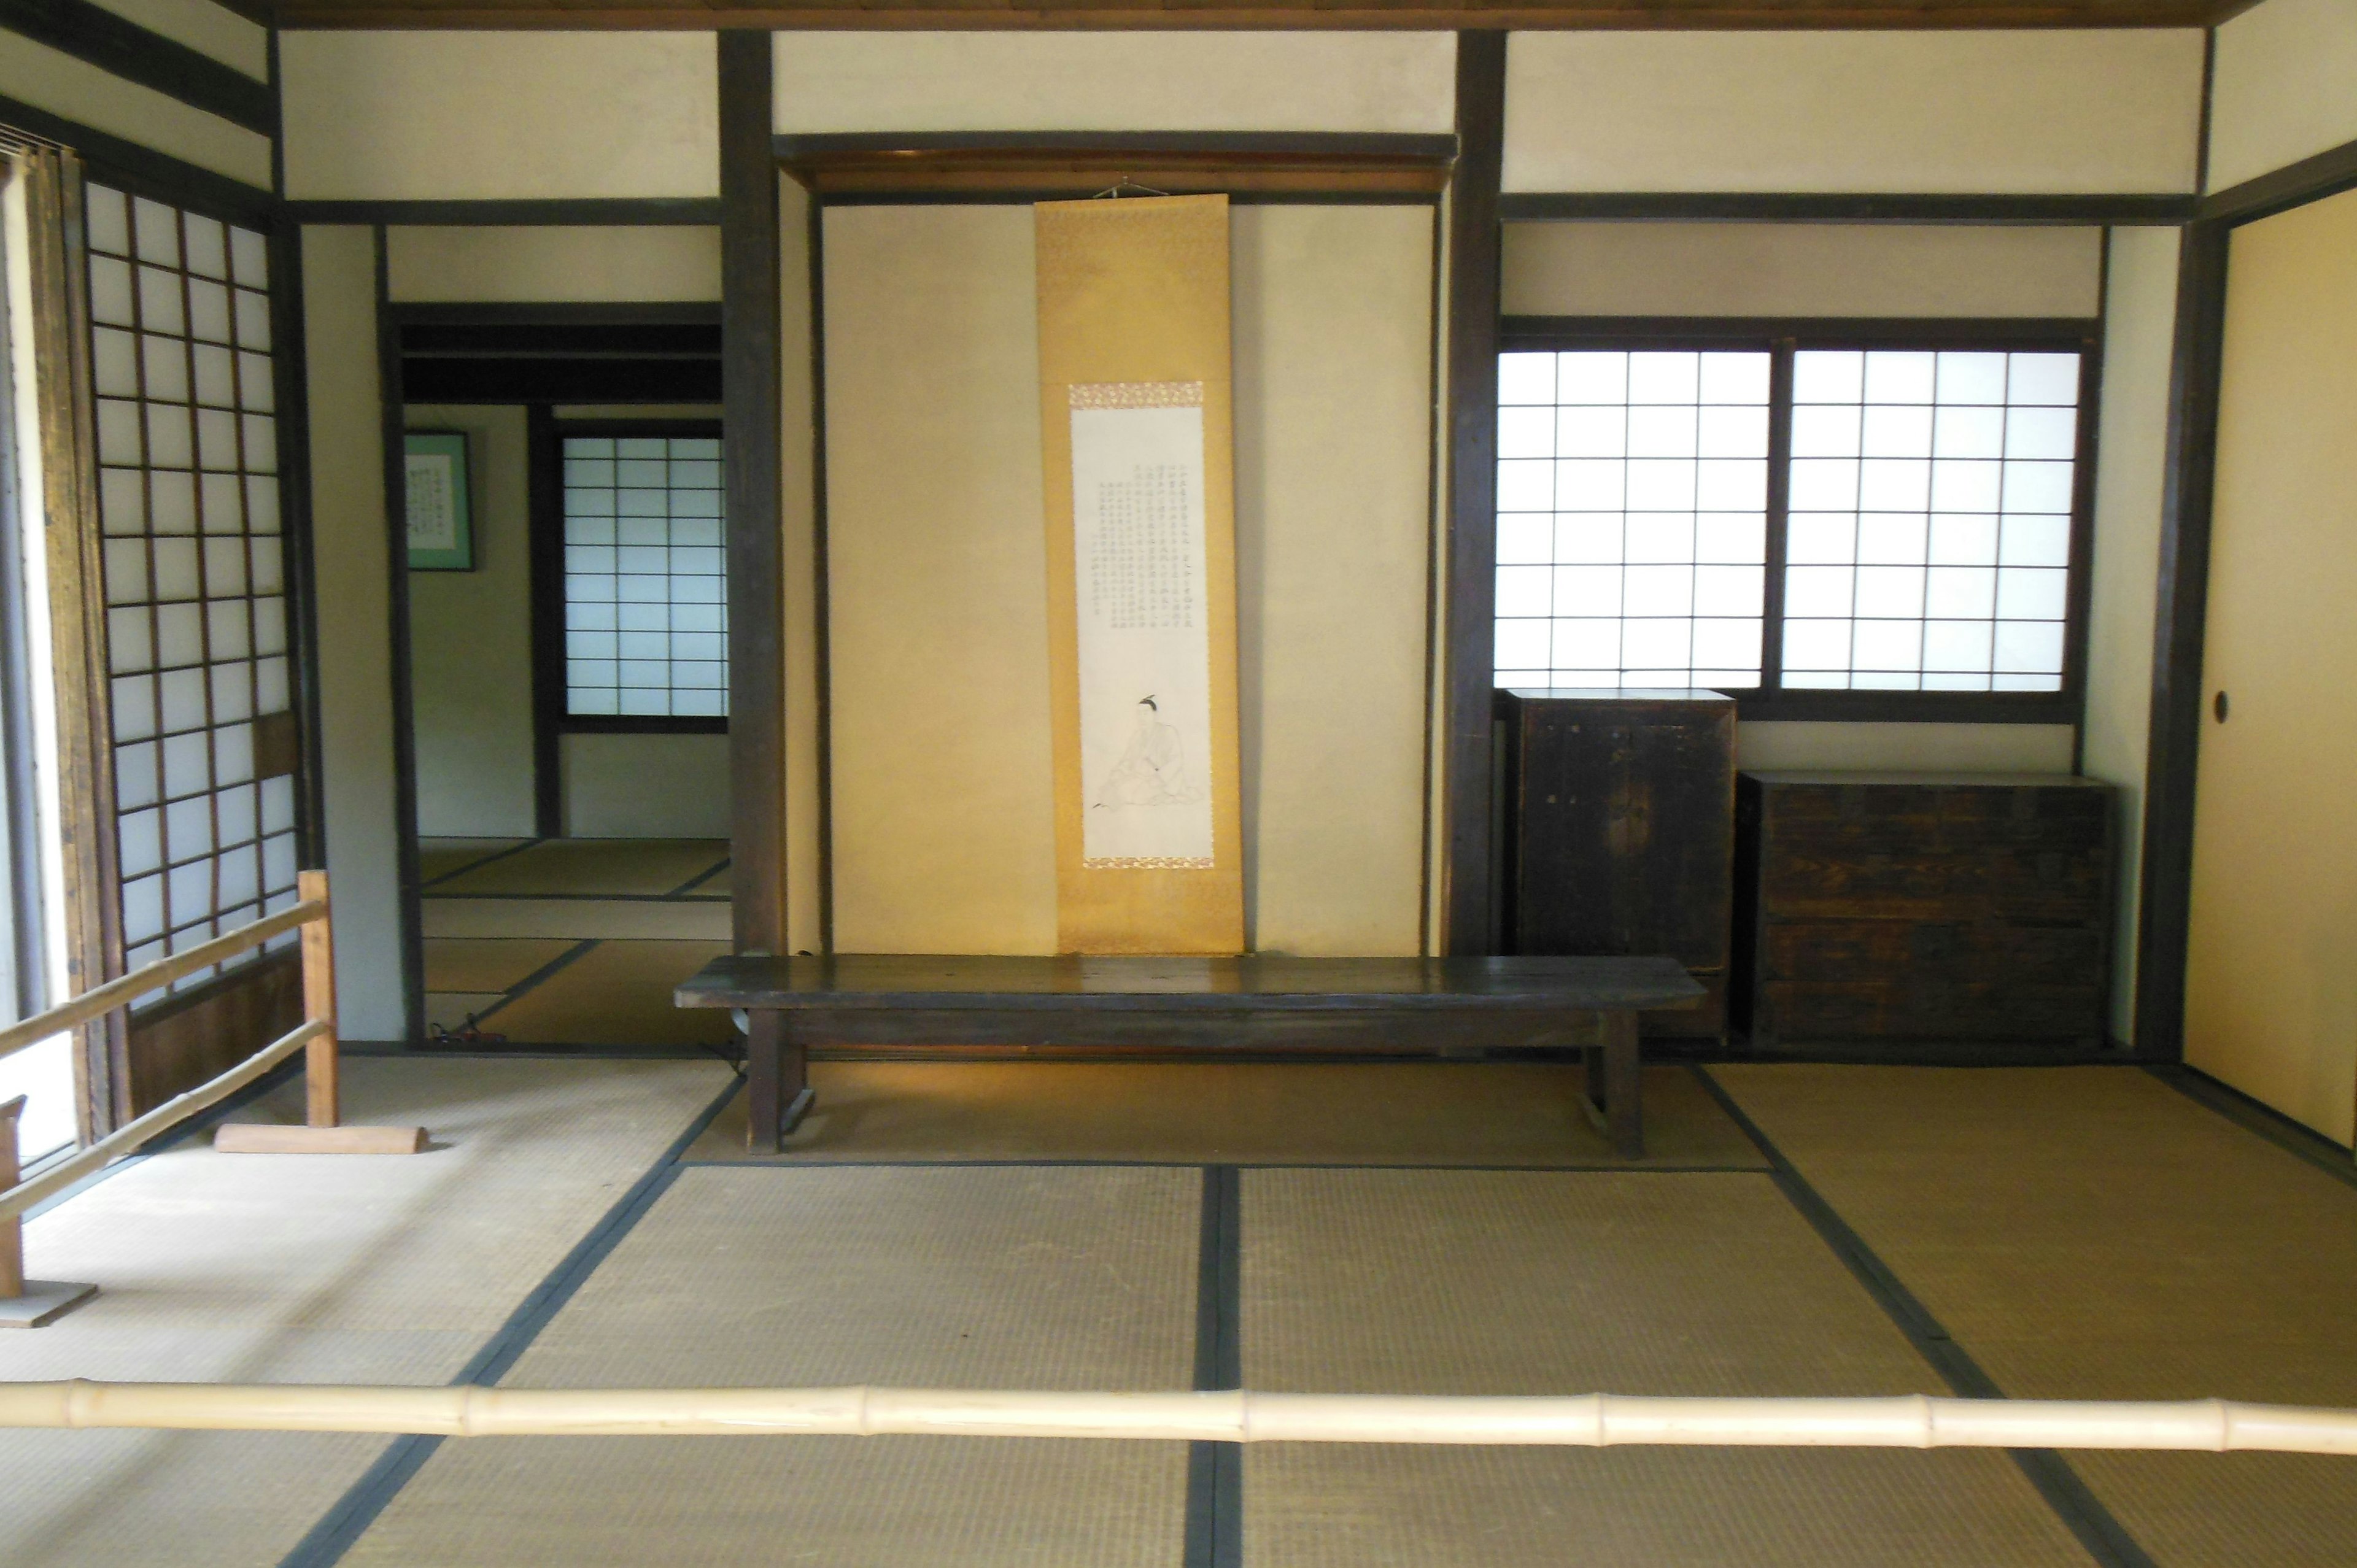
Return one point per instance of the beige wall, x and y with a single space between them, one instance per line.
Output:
941 791
2271 971
937 583
1115 81
2282 90
612 264
353 579
2140 311
470 645
481 116
1926 111
88 94
1333 356
644 786
1800 269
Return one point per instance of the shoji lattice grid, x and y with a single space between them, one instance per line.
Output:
1929 540
646 605
1632 518
195 568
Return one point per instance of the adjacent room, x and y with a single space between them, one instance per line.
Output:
1282 786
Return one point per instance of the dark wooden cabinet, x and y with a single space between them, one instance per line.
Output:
1620 834
1923 907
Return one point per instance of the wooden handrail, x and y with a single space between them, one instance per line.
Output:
1906 1420
102 1000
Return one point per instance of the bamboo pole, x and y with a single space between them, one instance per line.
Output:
322 1085
1236 1416
121 993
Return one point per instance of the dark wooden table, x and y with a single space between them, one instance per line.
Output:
1208 1005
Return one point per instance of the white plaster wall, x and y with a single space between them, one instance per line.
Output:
208 28
2284 86
51 80
491 116
2131 470
1396 82
353 573
1930 111
632 264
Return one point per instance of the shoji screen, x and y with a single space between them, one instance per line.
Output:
194 569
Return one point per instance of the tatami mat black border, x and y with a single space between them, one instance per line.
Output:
495 855
2263 1119
2080 1509
1215 1471
327 1541
791 1161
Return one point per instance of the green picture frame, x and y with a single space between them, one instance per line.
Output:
436 490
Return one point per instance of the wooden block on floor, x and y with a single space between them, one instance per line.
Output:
265 1138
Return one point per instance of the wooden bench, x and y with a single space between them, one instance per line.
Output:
1209 1005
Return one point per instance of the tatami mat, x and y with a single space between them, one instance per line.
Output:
1233 1112
2091 1233
579 867
1030 1277
488 965
618 993
1530 1282
310 1268
439 857
576 919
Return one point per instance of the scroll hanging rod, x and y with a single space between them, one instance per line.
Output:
1126 186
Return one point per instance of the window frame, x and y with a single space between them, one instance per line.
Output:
551 714
1780 337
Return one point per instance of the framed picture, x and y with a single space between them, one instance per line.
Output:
441 529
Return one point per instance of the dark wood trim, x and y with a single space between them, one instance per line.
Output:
544 503
1549 332
557 313
429 378
2209 99
391 410
289 369
2079 586
2327 173
640 723
143 171
1466 868
1249 15
821 148
1778 530
123 48
1861 207
1025 195
752 401
2173 760
585 211
685 427
1789 706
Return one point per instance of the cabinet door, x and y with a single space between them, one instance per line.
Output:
2271 965
1627 832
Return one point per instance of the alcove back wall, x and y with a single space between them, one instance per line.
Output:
941 792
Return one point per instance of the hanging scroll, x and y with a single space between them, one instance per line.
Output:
1141 549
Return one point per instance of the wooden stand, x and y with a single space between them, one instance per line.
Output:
26 1304
323 1132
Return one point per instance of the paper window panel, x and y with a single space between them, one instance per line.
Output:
193 569
1633 494
1928 539
645 577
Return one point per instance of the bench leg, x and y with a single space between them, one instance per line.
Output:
1615 1071
777 1082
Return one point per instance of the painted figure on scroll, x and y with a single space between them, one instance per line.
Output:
1153 767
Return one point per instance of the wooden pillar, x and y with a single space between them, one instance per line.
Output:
751 403
323 1093
12 1230
1472 511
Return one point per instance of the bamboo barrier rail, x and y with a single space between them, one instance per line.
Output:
1232 1416
31 1302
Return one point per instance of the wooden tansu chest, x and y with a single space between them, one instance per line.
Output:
1620 833
1918 908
